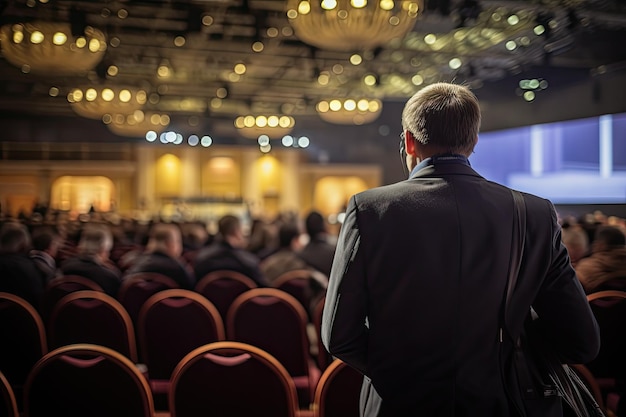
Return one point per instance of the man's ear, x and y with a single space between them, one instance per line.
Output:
409 143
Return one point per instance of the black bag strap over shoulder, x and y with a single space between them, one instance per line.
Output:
542 380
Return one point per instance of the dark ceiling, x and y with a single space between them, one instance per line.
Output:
585 38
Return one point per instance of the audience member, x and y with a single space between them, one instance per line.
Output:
286 258
92 260
318 252
163 256
46 243
576 242
607 260
18 273
195 237
228 253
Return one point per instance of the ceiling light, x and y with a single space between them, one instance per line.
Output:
350 111
348 25
273 126
50 48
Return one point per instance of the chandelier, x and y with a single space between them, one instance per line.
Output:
349 111
137 124
49 48
350 25
274 126
95 101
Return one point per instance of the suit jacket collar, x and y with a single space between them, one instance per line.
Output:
437 166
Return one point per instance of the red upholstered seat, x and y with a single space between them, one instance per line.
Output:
87 380
23 340
172 323
338 391
92 317
137 288
222 287
276 322
231 379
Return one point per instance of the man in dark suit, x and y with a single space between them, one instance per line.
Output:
92 260
163 256
228 253
417 284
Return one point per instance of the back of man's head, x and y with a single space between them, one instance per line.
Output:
14 238
445 116
609 237
314 224
45 238
228 225
165 238
95 240
287 233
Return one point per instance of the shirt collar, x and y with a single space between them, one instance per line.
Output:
448 158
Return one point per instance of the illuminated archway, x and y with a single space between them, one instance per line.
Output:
331 194
79 194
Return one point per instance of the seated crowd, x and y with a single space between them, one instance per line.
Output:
31 255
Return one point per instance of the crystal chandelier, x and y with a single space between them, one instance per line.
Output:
349 111
50 48
350 25
274 126
94 102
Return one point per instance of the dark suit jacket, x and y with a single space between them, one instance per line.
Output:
162 263
416 290
221 255
104 275
318 253
20 276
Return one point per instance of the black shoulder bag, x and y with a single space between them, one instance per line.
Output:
538 384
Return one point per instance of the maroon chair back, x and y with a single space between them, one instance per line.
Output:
92 317
23 341
137 288
338 391
276 322
62 286
609 309
222 287
8 407
298 284
323 357
231 379
87 380
172 323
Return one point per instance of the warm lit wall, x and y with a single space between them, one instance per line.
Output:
18 193
167 176
221 176
79 193
327 188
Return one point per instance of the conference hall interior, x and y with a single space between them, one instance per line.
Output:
133 113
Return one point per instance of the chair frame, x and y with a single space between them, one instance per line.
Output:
273 363
129 280
177 293
8 397
606 294
33 313
224 274
79 279
47 307
90 349
298 309
319 400
107 299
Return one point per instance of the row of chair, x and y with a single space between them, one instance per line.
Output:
220 287
222 378
171 323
